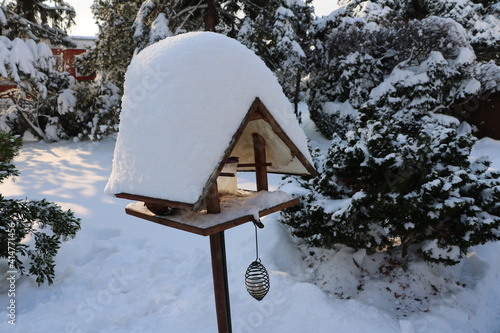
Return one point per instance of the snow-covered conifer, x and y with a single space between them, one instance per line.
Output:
398 174
431 59
42 101
481 19
404 185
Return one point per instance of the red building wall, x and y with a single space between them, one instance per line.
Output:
65 59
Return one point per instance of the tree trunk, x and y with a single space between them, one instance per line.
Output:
296 95
210 16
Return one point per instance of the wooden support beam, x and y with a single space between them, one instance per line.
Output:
227 174
251 165
261 108
259 148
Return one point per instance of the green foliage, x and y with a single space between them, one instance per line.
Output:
385 187
478 17
358 63
398 175
99 101
9 148
114 47
97 111
30 231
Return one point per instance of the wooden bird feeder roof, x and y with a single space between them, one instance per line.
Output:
282 155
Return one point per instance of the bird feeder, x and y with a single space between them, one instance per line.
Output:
197 109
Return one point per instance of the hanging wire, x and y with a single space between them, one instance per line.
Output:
256 243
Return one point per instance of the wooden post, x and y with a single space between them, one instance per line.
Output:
219 267
221 286
213 202
259 148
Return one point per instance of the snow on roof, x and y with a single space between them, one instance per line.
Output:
184 99
83 42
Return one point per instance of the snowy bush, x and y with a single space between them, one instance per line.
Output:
98 109
41 97
401 184
480 19
426 65
30 231
397 176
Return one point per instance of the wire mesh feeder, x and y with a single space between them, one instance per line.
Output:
256 276
257 280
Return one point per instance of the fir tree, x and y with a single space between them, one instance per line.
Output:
43 101
44 221
114 46
356 57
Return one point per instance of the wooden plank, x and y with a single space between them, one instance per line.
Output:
227 174
174 204
279 207
249 165
256 116
164 221
227 225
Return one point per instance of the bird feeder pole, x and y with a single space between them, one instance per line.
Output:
219 267
217 241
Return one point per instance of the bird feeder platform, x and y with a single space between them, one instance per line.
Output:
236 209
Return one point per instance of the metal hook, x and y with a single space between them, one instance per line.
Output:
258 223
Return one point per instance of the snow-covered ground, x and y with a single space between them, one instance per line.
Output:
123 274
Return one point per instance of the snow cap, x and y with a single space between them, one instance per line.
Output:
184 99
